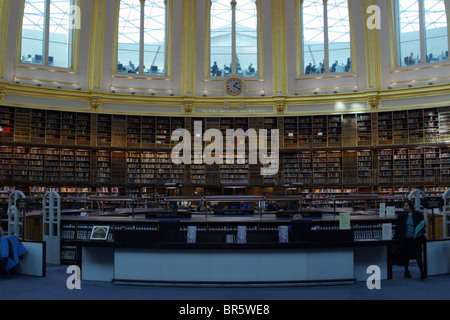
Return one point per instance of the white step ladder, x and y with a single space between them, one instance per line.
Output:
446 214
51 223
16 219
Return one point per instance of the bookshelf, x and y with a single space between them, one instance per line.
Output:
305 132
431 125
52 165
400 166
82 166
290 167
385 125
320 166
133 167
445 165
290 132
148 132
69 128
67 169
53 127
364 129
416 165
334 167
6 124
134 133
37 157
385 166
432 165
21 164
305 168
38 126
104 131
103 173
364 167
444 124
147 168
83 129
415 126
7 163
22 125
319 131
366 151
119 131
334 131
163 132
400 127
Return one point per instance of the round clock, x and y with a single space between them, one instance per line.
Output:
234 86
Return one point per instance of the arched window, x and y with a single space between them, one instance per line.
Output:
48 32
325 31
142 36
234 38
422 31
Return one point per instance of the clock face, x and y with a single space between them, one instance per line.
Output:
234 86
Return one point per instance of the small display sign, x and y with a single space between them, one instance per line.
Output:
432 202
22 204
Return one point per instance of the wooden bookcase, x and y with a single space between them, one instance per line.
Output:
388 150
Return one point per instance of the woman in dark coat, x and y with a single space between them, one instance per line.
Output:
410 242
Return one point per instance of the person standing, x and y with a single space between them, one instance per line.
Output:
410 234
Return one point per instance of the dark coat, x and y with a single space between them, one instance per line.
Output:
400 231
400 234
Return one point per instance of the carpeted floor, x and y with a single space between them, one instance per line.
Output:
53 287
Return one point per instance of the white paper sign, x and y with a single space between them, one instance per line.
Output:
344 221
191 234
242 234
390 212
283 234
386 231
382 209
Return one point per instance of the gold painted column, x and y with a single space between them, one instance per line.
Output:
4 19
188 48
96 45
373 62
279 48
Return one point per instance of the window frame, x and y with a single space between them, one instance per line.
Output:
73 35
326 42
423 54
140 71
233 72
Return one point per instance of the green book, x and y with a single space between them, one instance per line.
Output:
419 227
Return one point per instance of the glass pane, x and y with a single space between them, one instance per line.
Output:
154 36
246 38
60 34
436 30
33 31
221 40
313 36
409 32
339 36
128 36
